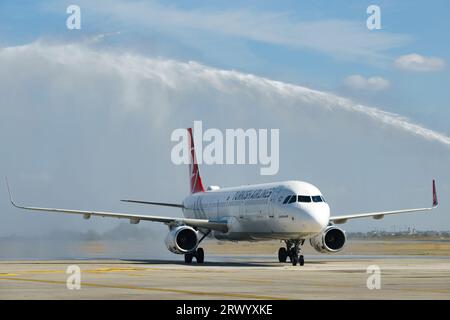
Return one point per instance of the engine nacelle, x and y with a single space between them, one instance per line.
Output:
182 239
332 239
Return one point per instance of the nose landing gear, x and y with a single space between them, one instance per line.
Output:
293 251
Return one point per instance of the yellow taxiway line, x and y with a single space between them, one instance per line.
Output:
129 287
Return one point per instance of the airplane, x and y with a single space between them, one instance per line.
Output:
290 211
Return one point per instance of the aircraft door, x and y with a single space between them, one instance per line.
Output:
273 202
242 209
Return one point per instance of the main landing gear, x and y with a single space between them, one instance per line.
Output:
198 254
292 251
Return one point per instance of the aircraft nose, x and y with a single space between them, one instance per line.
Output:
319 216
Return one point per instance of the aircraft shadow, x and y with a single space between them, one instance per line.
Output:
215 263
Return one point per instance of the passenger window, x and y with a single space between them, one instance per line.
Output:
293 199
304 199
316 198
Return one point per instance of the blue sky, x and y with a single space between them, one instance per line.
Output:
93 104
422 29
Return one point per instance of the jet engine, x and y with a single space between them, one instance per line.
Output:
332 239
182 239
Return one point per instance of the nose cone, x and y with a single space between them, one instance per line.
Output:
317 216
321 215
311 218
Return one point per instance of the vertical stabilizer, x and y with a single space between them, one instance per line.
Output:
196 184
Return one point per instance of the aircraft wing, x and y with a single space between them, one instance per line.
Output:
134 218
379 215
176 205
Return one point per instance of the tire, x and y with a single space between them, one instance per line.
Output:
200 255
188 258
282 255
294 261
301 260
294 257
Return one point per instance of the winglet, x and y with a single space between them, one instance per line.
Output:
435 199
9 191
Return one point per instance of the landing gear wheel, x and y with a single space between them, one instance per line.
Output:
188 258
200 255
294 257
294 261
301 260
282 255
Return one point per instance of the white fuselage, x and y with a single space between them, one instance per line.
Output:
258 212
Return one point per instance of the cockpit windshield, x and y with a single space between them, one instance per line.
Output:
286 200
293 199
304 198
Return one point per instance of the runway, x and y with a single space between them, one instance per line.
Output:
230 277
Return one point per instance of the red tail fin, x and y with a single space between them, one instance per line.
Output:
194 174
